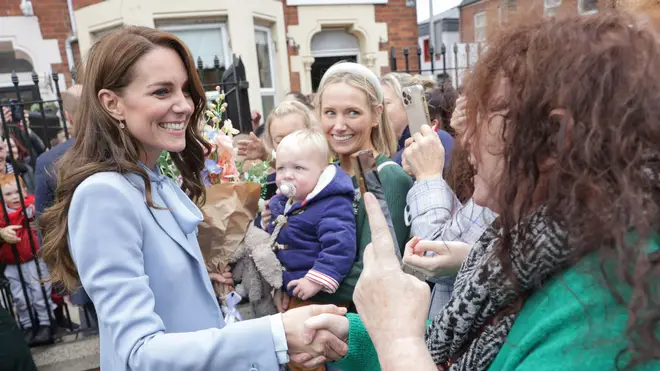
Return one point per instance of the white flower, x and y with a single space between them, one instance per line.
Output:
262 204
222 96
215 120
213 106
228 128
210 113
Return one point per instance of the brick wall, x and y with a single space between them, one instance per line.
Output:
291 19
402 31
54 22
567 7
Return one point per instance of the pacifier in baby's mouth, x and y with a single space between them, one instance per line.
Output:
288 189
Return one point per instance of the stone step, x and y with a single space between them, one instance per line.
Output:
70 355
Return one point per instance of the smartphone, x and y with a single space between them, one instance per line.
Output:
16 111
363 163
414 101
366 173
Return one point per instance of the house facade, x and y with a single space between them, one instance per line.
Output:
478 15
285 45
322 32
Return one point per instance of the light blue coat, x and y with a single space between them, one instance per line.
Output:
144 271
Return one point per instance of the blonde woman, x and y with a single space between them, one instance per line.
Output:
352 115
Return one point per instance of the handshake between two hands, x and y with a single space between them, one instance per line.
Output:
315 334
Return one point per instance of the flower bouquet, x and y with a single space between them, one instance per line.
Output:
232 202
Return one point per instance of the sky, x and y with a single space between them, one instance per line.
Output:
439 6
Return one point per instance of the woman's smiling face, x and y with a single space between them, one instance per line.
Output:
347 119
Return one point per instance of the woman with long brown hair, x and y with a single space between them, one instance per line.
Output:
128 233
562 128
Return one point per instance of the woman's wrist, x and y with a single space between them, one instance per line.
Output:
428 176
404 352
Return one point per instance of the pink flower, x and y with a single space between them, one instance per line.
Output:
224 144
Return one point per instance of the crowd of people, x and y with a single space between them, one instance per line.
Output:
529 206
27 183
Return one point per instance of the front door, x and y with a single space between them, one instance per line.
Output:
321 64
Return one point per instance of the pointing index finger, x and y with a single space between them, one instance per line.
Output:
382 244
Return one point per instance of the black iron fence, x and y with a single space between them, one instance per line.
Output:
446 65
234 85
29 127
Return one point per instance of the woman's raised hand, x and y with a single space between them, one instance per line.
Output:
424 156
253 148
459 116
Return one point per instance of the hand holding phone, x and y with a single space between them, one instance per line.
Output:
414 101
366 173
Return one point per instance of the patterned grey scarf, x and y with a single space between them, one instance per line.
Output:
464 336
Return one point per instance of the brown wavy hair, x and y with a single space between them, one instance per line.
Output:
441 102
100 145
603 186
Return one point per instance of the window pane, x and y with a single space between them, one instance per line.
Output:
263 58
267 105
589 5
205 43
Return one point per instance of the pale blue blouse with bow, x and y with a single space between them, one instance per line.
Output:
144 271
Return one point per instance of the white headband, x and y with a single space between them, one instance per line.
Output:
355 69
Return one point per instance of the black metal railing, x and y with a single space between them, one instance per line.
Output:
439 66
234 85
28 128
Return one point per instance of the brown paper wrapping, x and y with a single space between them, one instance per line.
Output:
229 210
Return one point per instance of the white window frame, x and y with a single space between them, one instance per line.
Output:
550 6
333 2
582 11
477 16
271 61
206 26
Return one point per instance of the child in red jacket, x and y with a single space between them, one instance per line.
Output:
23 258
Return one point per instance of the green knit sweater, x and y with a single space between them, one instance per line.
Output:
397 184
572 323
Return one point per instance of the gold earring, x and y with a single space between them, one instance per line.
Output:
121 124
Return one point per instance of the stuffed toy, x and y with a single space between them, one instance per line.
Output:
258 270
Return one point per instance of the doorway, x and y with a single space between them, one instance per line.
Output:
321 64
329 47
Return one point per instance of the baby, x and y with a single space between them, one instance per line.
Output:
16 233
317 240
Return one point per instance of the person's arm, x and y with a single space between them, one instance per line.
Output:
105 239
37 143
336 232
362 355
43 195
430 206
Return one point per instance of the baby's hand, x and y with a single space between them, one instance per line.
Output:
304 288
